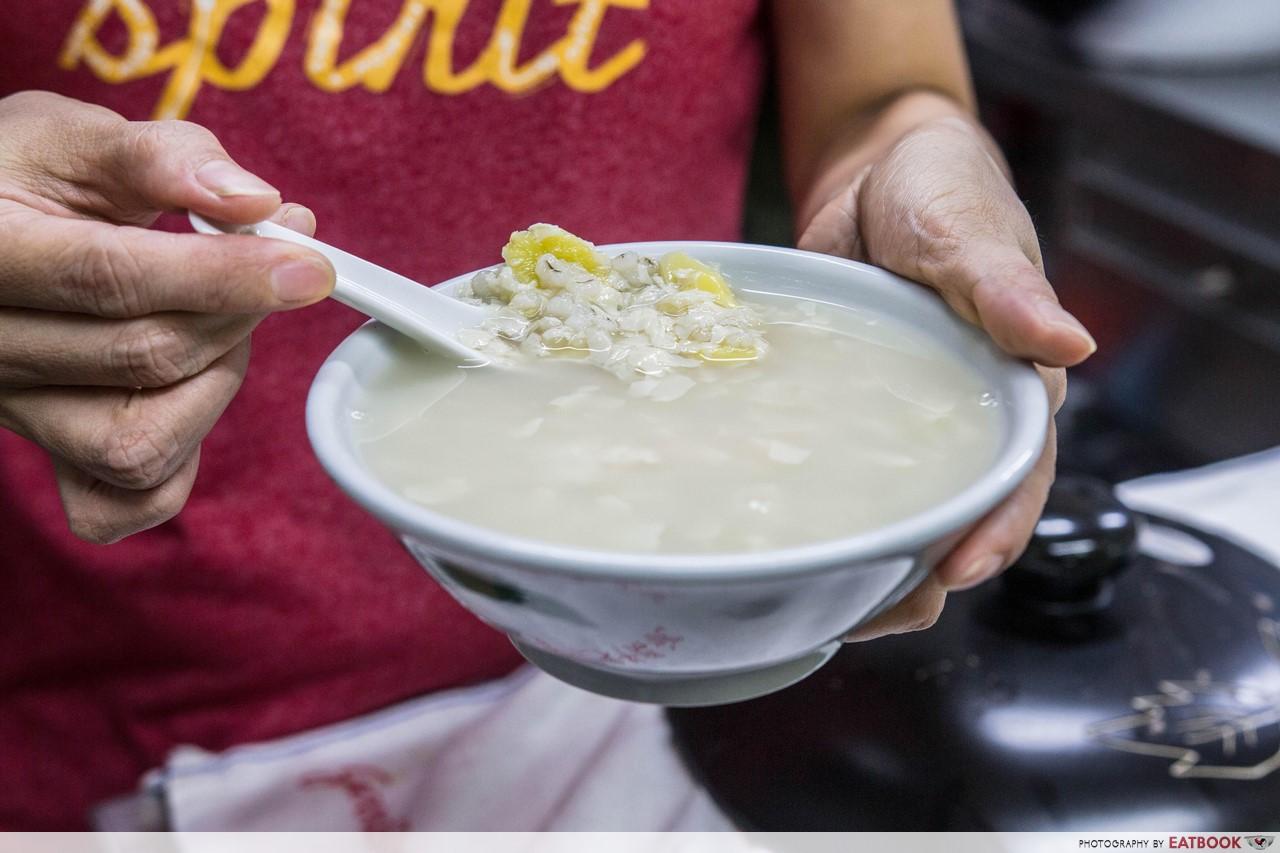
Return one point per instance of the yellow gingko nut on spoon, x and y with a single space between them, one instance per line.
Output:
692 274
525 248
636 317
727 353
689 273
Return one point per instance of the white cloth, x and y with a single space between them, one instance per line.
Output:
1238 499
527 752
522 753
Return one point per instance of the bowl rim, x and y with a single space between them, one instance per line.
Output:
1022 446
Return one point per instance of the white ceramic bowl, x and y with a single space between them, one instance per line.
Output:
705 628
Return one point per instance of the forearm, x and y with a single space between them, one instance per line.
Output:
854 78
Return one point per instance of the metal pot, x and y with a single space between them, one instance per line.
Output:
1125 675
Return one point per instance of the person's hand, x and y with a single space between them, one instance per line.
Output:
938 209
120 346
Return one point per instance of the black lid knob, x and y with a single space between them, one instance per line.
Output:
1084 537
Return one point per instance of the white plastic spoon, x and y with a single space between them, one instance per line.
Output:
432 319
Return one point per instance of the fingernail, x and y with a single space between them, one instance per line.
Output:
300 281
978 571
1058 316
224 178
299 218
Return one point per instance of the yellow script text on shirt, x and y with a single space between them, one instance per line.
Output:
192 61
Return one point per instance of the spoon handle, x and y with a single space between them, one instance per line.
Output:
432 319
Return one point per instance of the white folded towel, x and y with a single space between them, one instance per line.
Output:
522 753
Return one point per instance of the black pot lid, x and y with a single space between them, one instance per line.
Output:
1125 675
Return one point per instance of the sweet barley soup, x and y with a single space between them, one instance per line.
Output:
776 422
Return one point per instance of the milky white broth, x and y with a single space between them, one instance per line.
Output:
851 421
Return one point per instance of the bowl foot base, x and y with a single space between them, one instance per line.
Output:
675 690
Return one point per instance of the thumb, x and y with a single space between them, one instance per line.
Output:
83 158
177 165
1016 304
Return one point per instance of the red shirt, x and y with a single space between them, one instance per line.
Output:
272 604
